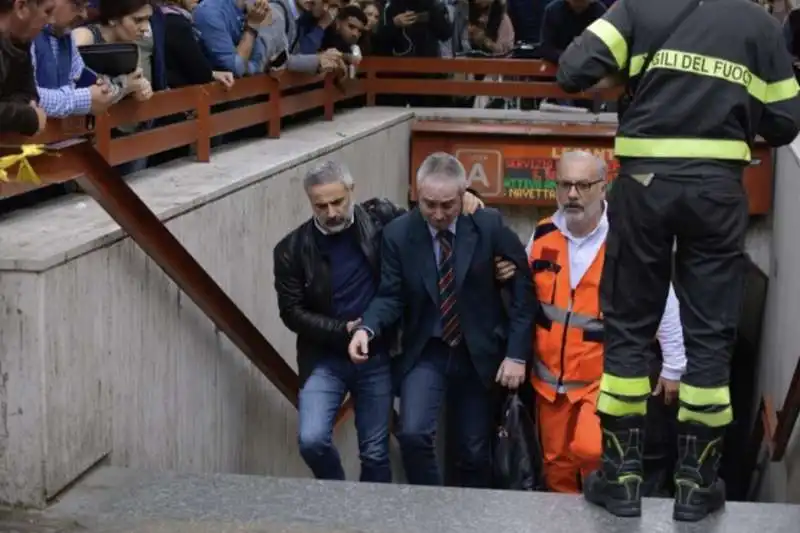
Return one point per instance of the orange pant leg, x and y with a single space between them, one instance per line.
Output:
555 421
587 440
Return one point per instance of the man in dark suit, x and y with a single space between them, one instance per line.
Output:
437 274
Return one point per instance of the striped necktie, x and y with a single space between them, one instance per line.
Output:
451 330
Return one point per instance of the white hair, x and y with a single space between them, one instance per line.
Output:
442 166
583 155
326 173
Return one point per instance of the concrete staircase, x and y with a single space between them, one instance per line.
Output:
116 500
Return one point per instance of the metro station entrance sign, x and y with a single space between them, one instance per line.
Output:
514 164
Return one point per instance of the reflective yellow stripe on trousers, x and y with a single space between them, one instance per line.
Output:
710 406
623 396
722 69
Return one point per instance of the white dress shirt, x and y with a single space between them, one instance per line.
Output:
582 251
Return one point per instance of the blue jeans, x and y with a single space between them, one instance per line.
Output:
445 375
370 384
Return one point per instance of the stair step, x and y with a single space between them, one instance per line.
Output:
112 500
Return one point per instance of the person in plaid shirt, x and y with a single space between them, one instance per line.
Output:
65 85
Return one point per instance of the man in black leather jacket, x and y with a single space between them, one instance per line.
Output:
326 273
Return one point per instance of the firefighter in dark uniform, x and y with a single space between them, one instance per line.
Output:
722 77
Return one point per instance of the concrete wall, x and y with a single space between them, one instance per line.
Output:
102 356
780 349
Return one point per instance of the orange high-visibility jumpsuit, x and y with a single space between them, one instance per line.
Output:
569 360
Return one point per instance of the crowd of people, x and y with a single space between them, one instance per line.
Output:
187 42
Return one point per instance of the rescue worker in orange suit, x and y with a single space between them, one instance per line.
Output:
566 254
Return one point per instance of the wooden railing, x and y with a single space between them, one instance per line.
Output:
273 99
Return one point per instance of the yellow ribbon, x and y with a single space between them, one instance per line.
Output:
25 171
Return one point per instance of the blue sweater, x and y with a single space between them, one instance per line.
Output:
220 25
353 284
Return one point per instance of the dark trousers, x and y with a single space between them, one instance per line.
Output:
445 376
322 394
708 216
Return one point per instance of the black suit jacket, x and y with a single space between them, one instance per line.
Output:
409 290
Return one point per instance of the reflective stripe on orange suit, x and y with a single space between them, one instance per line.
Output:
569 350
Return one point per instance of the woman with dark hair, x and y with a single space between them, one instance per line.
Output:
373 12
489 28
125 21
20 22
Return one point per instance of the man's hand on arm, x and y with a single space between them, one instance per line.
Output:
471 203
359 346
504 269
386 307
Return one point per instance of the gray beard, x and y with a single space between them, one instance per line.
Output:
328 230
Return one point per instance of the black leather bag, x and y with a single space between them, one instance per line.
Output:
517 460
624 101
111 59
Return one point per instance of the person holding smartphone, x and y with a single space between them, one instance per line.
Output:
489 28
414 28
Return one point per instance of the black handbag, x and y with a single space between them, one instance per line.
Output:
111 59
517 461
624 101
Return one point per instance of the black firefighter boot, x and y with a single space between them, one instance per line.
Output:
698 490
617 485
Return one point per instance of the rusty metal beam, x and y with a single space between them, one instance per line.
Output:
787 418
106 186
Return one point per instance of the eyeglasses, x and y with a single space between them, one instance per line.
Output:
580 186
